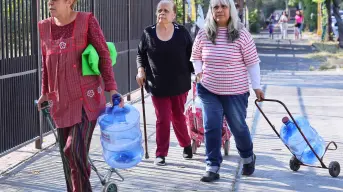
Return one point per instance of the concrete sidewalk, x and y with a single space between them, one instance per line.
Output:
44 171
286 77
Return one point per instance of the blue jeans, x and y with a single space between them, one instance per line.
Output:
234 107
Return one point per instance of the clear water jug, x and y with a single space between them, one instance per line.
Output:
121 137
291 136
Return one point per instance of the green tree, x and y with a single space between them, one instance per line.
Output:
180 8
254 21
335 8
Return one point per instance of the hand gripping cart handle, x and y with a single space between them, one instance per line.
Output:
108 185
294 163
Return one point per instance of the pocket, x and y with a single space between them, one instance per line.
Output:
93 96
57 107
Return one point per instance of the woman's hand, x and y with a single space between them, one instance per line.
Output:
140 78
198 77
259 94
41 100
113 92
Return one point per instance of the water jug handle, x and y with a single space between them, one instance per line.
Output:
116 99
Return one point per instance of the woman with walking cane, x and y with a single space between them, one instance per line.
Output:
75 100
165 70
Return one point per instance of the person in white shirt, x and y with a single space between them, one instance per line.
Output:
283 22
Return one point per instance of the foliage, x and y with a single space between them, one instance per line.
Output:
254 21
324 15
310 7
180 7
293 2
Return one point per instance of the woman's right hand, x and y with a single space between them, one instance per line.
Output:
140 78
41 100
198 77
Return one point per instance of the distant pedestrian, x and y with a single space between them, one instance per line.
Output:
298 23
271 30
283 22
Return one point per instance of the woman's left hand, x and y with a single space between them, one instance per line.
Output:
259 94
113 92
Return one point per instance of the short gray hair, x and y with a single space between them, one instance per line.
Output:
234 25
171 2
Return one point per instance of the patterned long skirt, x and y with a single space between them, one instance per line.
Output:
74 145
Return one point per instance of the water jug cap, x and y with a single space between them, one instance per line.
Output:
285 120
116 98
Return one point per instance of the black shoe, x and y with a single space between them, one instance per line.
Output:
187 152
248 169
160 161
209 177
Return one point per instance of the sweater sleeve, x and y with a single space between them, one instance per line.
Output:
45 88
197 66
255 76
249 50
189 50
45 82
97 39
142 57
197 47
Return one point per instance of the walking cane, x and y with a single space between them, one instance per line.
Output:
144 122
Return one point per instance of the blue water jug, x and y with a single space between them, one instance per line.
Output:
291 136
121 137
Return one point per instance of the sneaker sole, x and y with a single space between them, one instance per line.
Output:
160 164
207 180
187 158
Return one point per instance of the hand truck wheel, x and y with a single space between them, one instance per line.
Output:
110 187
226 147
194 146
294 164
334 168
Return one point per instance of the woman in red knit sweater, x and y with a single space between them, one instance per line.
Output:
75 100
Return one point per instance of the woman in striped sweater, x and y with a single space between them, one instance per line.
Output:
223 55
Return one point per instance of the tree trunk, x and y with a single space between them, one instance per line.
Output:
329 27
339 21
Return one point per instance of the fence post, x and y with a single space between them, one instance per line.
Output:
184 12
152 12
36 45
128 97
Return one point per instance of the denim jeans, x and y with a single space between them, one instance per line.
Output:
234 107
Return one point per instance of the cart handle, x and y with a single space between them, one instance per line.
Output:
44 107
334 143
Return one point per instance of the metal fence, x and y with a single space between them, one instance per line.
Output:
122 22
18 73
